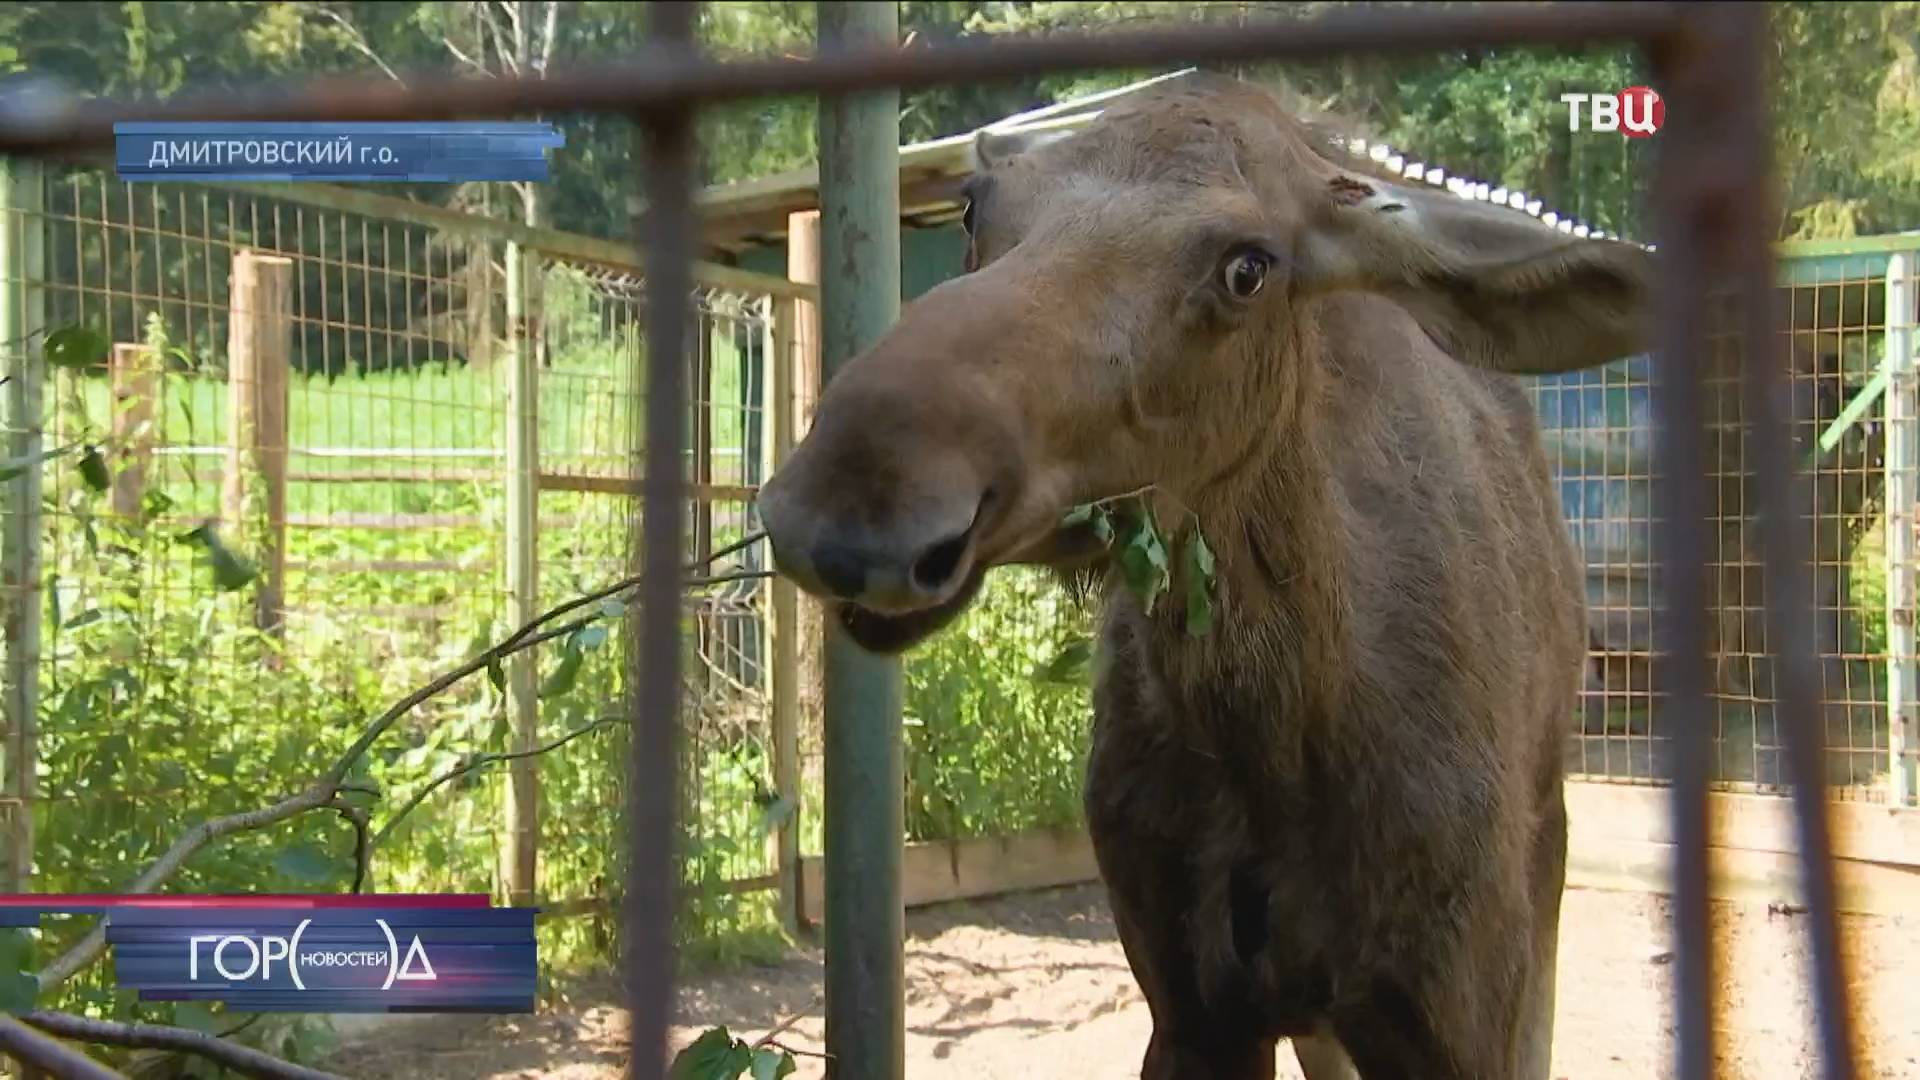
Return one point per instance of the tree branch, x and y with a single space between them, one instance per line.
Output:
325 791
478 762
244 1060
358 40
34 1050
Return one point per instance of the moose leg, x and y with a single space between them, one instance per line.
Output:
1534 1052
1187 1042
1322 1058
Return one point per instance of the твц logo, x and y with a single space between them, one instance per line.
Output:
1635 112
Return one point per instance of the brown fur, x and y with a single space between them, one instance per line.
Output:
1337 817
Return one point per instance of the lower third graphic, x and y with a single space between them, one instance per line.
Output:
447 953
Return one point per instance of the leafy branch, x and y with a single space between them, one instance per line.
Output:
1140 547
325 792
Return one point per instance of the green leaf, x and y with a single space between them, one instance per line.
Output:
19 466
1143 565
18 987
1079 515
613 608
496 674
775 813
1067 664
771 1064
1103 527
1198 573
564 674
75 347
715 1055
497 734
93 469
305 863
591 636
85 618
1201 554
230 570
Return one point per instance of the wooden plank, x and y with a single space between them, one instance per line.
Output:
620 485
1617 840
1869 832
936 873
1750 877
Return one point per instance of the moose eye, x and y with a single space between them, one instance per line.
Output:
1245 273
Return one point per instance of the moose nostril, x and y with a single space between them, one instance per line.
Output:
840 569
935 567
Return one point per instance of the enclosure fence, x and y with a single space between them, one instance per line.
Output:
347 443
1711 204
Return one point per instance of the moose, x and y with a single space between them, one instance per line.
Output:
1337 817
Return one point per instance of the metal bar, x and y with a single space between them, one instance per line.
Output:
865 785
1902 468
663 77
1683 206
1743 224
666 146
573 247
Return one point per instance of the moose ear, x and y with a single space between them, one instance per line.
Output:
1494 286
992 149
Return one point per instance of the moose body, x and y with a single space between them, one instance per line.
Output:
1336 816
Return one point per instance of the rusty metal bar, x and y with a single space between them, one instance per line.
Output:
666 146
1683 204
1740 32
667 78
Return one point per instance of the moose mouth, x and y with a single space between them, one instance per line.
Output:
889 633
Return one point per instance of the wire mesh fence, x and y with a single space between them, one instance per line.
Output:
290 509
1599 434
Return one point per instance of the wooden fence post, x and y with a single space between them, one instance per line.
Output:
259 344
523 583
133 373
799 367
783 655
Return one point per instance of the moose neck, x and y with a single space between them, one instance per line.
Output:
1279 634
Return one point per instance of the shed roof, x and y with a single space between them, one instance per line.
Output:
752 213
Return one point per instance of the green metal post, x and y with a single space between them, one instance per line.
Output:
22 325
859 301
523 588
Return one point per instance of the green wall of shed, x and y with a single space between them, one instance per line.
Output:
927 258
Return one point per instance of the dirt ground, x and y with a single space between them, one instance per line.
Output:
1036 985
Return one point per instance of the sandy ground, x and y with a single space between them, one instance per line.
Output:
1036 985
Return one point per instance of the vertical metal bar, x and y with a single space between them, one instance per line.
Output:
1742 32
1901 467
666 234
523 580
860 299
22 326
1682 538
